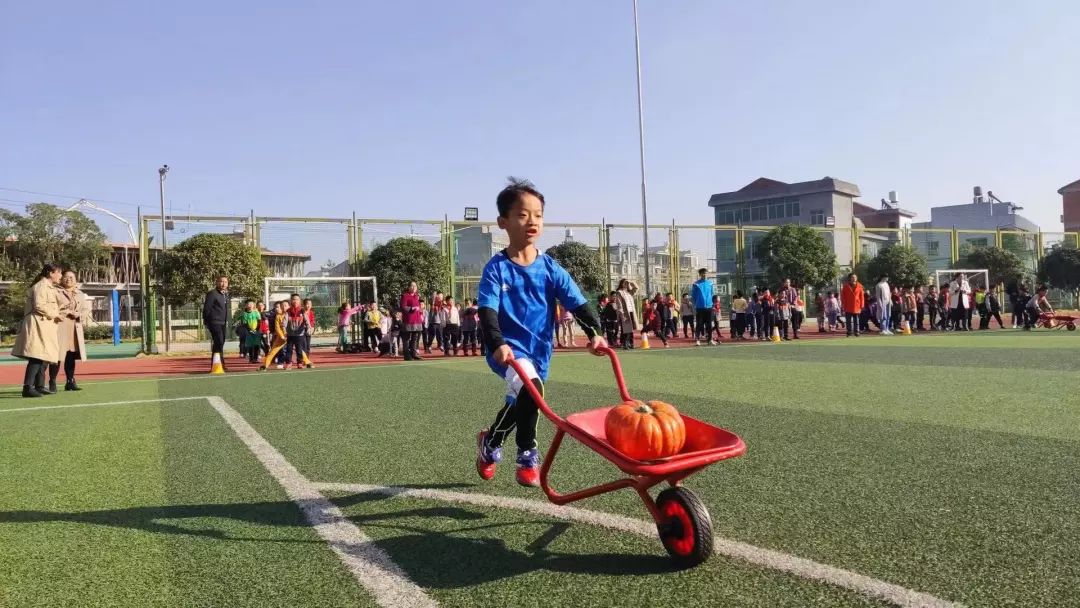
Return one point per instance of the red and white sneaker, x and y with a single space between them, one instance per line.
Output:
528 468
486 459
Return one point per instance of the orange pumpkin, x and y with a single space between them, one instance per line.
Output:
645 431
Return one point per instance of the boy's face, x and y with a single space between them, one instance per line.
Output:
250 306
295 301
525 222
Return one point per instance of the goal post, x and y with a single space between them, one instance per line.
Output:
326 293
977 277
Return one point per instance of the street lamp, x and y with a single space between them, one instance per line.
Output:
161 191
641 147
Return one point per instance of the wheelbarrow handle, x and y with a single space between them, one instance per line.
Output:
616 368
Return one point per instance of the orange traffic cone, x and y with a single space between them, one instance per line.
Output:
216 367
775 334
645 341
905 328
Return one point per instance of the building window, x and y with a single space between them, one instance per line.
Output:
977 242
725 249
759 212
817 217
746 215
793 208
933 248
892 224
776 211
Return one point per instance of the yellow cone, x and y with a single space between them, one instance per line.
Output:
216 368
905 328
775 334
645 341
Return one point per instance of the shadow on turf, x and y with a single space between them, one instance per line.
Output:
162 519
446 560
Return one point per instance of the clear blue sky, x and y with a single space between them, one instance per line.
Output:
416 109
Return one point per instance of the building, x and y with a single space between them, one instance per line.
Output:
475 245
827 202
1070 206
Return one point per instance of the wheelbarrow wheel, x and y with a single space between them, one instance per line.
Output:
1071 327
687 530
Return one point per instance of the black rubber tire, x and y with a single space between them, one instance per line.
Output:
1071 327
687 548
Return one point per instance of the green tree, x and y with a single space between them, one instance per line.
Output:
45 234
187 271
799 253
397 262
1002 265
903 264
1061 269
583 263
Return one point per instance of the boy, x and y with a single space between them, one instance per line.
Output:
450 319
686 311
296 326
309 312
517 294
277 322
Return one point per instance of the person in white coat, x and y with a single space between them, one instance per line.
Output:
960 302
884 297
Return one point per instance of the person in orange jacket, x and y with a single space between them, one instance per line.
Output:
852 299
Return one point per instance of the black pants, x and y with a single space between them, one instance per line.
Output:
628 340
703 324
851 319
411 343
687 326
217 340
522 414
451 339
33 376
986 315
69 368
959 317
920 318
374 336
611 330
796 322
433 334
784 328
468 341
295 345
252 351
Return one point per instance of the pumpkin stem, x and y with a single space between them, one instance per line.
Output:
644 408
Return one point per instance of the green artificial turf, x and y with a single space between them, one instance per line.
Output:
946 464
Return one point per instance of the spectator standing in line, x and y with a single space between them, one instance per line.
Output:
450 320
609 317
920 309
739 307
345 313
768 315
373 323
434 334
831 310
252 338
216 317
884 298
783 316
627 312
852 298
686 311
673 315
753 314
412 319
468 329
960 292
701 293
264 327
911 302
309 311
791 296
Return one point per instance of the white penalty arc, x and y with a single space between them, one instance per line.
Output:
775 560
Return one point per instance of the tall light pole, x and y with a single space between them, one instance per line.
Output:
165 306
641 147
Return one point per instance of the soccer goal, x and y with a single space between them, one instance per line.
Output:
326 294
976 278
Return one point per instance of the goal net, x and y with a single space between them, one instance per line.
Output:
327 294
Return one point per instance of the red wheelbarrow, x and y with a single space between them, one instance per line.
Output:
682 520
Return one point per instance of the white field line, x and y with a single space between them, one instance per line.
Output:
369 565
78 405
776 560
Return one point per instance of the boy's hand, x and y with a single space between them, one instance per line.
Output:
597 344
503 355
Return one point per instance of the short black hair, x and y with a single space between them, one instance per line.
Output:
295 295
512 193
249 301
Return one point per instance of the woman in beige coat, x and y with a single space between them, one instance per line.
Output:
72 344
37 338
627 311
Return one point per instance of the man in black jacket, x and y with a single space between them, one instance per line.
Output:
216 316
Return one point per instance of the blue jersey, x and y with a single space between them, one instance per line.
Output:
524 297
702 293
